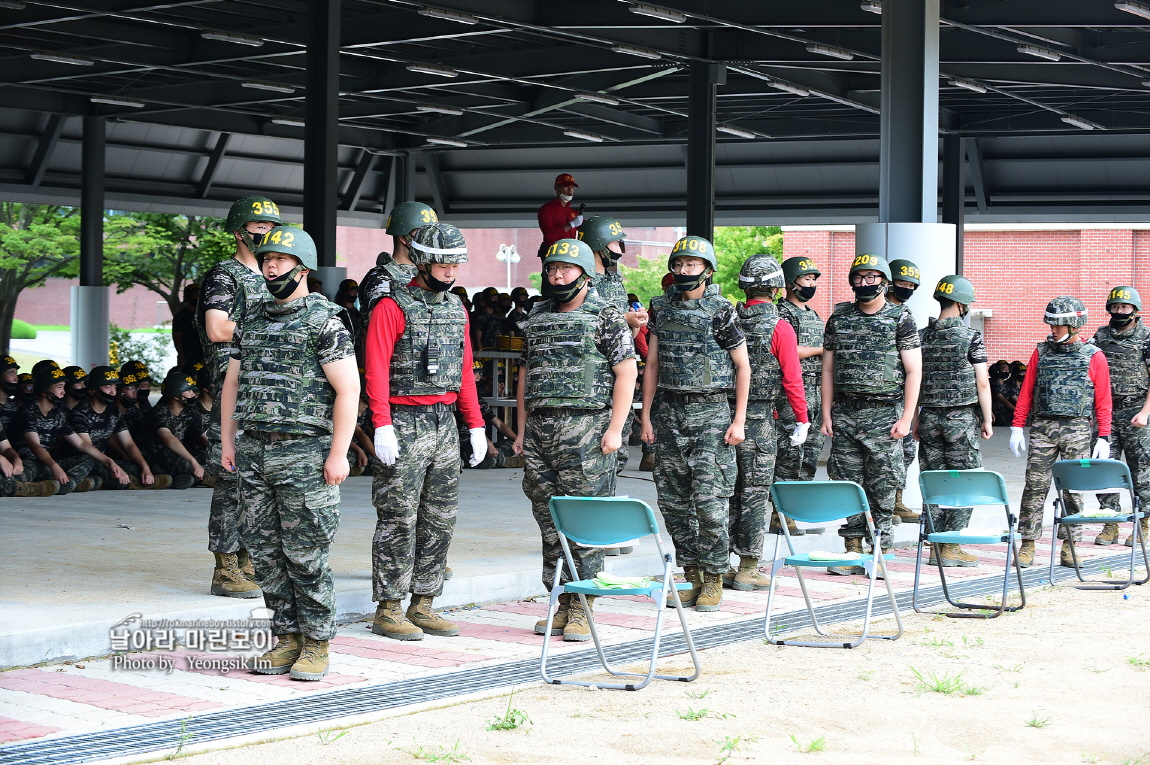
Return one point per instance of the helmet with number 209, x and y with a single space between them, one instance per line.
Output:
869 262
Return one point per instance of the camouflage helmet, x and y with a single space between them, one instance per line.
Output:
250 209
291 241
406 217
438 243
7 362
600 231
906 271
178 382
695 247
47 376
137 369
1124 294
798 266
956 288
869 262
103 376
570 251
760 273
1065 311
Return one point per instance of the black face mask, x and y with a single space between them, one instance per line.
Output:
565 293
1120 320
435 285
283 286
805 293
107 398
902 293
688 282
52 397
867 292
79 393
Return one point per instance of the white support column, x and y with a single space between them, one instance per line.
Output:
89 326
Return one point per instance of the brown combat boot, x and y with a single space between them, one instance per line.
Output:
312 662
933 550
515 461
209 480
748 578
421 615
244 561
87 484
560 620
577 629
1143 530
390 622
1108 536
36 488
1065 557
853 545
447 573
712 595
729 577
694 578
775 528
954 555
1026 554
229 581
279 660
159 481
647 464
901 511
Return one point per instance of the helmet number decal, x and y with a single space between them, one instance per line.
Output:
806 265
285 238
265 207
944 286
909 271
690 243
561 248
427 215
615 228
1120 294
865 260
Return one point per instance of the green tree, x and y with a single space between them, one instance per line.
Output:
161 252
36 242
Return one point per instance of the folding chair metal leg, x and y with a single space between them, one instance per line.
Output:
556 591
1096 584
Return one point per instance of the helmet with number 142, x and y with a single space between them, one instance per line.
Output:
1124 294
695 247
291 241
252 209
869 262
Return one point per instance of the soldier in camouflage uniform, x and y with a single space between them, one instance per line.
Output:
871 374
799 463
776 383
905 280
1126 343
576 384
293 387
419 371
696 357
231 293
1066 381
954 382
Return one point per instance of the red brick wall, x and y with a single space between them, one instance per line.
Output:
1015 273
51 304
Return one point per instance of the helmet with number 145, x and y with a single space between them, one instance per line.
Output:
1065 311
870 262
291 241
252 209
1124 294
956 288
695 247
406 217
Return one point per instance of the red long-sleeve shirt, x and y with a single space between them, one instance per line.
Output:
387 325
785 347
641 341
553 216
1099 373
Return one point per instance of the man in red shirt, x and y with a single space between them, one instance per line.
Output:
419 370
556 218
1066 382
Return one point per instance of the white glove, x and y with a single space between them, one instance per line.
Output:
478 445
799 434
577 221
1101 450
1017 441
386 446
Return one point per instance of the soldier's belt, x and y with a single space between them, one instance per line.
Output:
269 437
694 398
438 407
560 411
1126 402
863 402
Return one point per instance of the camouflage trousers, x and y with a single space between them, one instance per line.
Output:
164 460
863 451
110 482
1132 444
78 467
695 471
750 504
416 501
563 456
1051 439
288 519
799 463
223 516
948 440
503 450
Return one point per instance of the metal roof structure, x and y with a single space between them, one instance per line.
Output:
475 105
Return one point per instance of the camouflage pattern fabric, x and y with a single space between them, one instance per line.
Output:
948 440
224 514
909 451
1051 439
131 468
695 340
863 451
950 349
288 520
416 511
610 287
235 289
77 467
867 360
1128 355
1063 387
379 282
8 485
747 519
503 450
164 460
695 475
797 463
563 457
1132 444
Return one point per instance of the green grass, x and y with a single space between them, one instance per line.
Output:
945 684
1138 661
511 719
52 327
329 736
818 745
700 714
1037 722
728 746
25 360
439 754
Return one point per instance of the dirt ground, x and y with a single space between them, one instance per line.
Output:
1067 680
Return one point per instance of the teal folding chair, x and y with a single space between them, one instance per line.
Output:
823 502
613 522
966 488
1103 477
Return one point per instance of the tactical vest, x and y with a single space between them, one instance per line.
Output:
758 323
947 374
381 281
564 366
1126 356
283 388
1063 387
610 287
250 296
690 360
428 359
809 332
867 361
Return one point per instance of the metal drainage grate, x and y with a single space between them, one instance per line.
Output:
140 739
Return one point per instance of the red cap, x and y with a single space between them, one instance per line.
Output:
668 279
565 179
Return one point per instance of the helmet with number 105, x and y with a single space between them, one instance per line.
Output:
905 271
1124 294
956 288
1065 311
760 273
600 231
406 217
695 247
869 262
291 241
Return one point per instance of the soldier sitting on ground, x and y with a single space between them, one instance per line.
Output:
143 378
169 424
75 386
